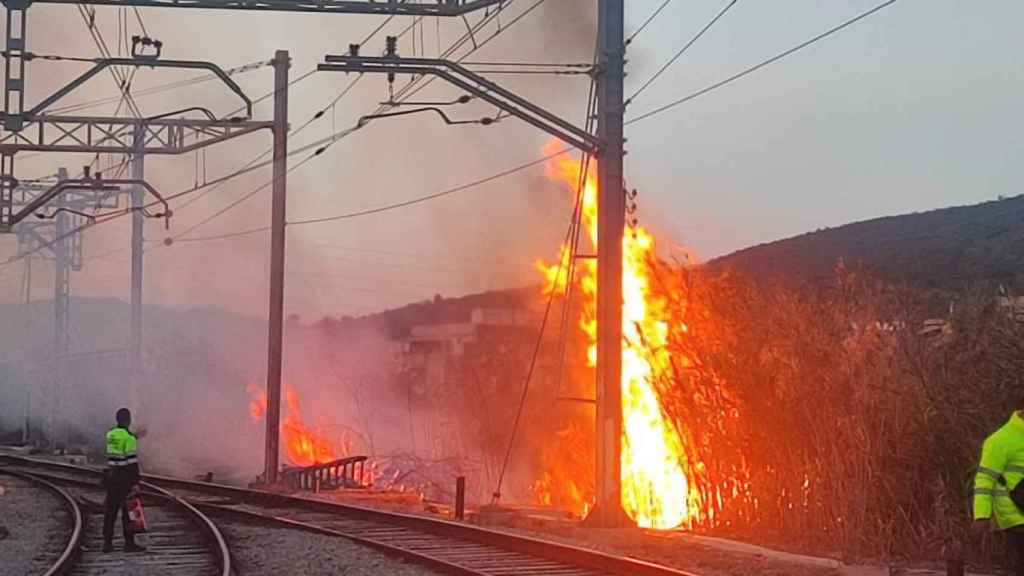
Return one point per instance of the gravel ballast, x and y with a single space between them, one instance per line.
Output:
33 527
265 551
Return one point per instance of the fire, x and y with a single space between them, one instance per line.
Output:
658 490
303 445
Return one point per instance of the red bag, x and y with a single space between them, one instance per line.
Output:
136 517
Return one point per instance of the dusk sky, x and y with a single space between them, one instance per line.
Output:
914 108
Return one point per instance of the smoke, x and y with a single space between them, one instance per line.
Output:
206 300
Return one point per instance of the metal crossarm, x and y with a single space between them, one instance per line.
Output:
473 83
140 61
80 184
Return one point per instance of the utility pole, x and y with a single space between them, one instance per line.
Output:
61 305
25 427
277 249
611 217
138 226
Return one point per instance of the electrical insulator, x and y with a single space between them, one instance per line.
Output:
391 51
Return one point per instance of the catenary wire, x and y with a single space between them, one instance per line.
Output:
756 67
334 138
681 51
647 21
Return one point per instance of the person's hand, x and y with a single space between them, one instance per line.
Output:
141 432
982 526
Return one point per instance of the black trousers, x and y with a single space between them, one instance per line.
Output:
118 489
1015 546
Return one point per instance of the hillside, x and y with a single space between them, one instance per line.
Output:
397 322
945 249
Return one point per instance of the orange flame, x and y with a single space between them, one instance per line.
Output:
303 445
657 487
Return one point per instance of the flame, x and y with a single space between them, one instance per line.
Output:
303 445
658 490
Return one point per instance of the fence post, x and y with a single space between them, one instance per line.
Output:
460 498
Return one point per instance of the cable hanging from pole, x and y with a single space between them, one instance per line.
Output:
569 263
496 495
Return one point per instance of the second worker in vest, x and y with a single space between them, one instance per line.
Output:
121 478
1000 470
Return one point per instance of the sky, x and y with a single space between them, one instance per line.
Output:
914 108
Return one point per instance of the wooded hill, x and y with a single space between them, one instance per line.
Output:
946 249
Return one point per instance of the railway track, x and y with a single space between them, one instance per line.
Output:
67 550
448 547
182 539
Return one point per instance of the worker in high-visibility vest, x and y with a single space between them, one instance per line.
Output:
1000 470
120 479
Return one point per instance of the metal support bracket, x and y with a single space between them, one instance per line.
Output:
139 61
473 83
91 184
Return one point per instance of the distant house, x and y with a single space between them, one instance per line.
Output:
453 338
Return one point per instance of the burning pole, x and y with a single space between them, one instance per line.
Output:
611 217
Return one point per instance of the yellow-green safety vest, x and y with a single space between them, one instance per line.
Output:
122 447
1002 457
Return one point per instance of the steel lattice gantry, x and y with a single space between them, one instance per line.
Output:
400 7
116 135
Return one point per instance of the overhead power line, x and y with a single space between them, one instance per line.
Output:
253 163
225 236
401 95
681 51
320 146
758 66
122 80
138 17
647 22
429 197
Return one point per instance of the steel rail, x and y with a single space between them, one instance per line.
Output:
67 557
449 546
209 527
443 565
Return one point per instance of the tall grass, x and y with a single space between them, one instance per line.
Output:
824 419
